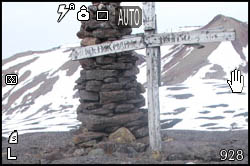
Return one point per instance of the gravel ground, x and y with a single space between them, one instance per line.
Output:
179 147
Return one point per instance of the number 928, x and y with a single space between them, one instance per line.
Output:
231 155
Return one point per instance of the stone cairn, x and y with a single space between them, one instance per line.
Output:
110 96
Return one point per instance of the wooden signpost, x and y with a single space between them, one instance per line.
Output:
152 42
153 70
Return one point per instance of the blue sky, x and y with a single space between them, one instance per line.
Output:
33 25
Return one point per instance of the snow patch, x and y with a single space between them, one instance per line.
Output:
245 51
226 56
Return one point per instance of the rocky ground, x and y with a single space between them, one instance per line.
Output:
180 147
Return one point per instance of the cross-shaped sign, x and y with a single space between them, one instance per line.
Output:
152 42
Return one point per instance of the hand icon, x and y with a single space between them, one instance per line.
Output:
237 81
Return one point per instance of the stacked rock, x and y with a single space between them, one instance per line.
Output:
110 96
94 32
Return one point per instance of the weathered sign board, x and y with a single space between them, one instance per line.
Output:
152 42
108 48
193 37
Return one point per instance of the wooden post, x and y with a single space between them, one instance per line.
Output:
149 19
158 57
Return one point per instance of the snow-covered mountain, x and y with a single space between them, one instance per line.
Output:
195 94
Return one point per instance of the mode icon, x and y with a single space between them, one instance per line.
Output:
129 16
83 14
13 138
9 157
11 79
102 15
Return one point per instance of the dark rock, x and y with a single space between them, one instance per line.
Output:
114 96
93 25
112 39
131 72
144 110
104 60
124 108
89 96
94 86
87 144
99 111
127 59
95 152
108 33
54 155
112 129
99 123
87 136
109 106
82 34
117 66
90 105
81 110
110 80
138 99
140 104
100 74
144 140
122 149
83 73
131 94
139 147
126 79
111 87
80 86
141 88
81 79
108 147
87 63
130 151
87 41
134 90
142 132
125 31
136 124
92 8
131 84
